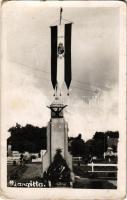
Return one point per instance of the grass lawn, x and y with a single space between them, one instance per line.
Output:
95 184
33 172
15 172
82 171
24 173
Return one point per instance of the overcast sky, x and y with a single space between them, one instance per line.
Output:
93 102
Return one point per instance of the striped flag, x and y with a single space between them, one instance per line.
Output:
61 56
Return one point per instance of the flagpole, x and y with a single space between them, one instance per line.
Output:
61 10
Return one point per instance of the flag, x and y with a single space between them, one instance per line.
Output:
61 55
67 63
54 55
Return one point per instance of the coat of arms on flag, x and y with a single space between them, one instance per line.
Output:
60 50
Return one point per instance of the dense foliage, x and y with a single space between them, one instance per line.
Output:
33 139
27 138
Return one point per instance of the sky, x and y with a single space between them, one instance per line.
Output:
93 100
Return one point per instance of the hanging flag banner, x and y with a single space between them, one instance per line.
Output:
61 56
67 64
54 55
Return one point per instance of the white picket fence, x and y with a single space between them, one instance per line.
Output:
101 165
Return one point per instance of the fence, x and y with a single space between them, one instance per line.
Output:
101 165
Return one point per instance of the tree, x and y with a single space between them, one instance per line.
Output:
28 138
58 171
89 149
77 146
100 144
112 134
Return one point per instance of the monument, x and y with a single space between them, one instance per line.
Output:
57 128
57 136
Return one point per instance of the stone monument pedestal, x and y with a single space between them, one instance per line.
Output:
57 137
